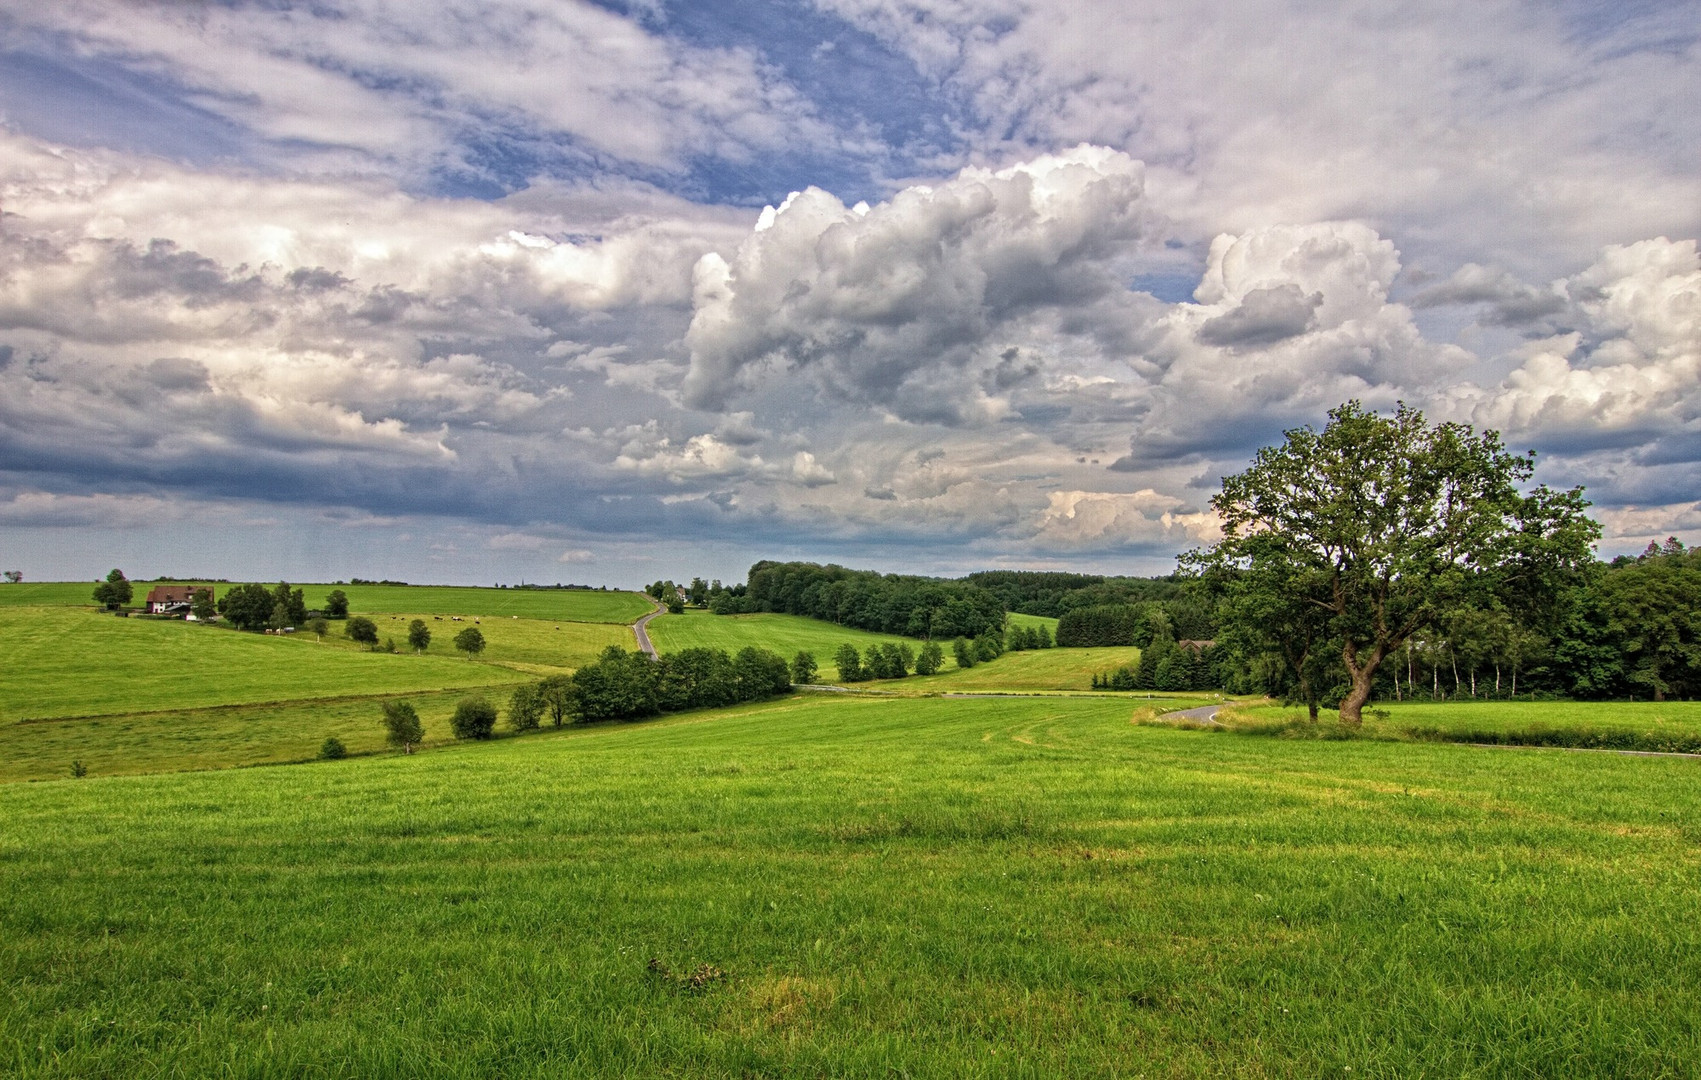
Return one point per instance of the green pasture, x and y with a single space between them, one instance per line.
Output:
222 737
784 634
69 662
865 886
560 605
1032 669
531 645
1389 719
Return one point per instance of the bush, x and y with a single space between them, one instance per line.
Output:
475 718
361 629
964 652
803 668
332 749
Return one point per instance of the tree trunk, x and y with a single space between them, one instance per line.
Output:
1497 678
1473 682
1363 681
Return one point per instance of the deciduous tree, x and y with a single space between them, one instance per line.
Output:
470 641
1388 524
401 725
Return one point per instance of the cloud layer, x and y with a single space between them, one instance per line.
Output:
492 274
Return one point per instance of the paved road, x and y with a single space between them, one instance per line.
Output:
643 635
1205 714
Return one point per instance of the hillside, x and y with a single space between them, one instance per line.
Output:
858 887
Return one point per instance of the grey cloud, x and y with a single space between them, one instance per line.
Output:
315 279
177 373
1264 317
1509 301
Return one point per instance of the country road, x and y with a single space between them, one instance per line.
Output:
1204 714
640 629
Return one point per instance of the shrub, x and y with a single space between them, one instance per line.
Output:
361 629
475 718
803 667
332 749
964 652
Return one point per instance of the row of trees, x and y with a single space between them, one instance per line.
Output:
1164 665
918 607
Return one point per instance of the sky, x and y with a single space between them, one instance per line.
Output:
605 293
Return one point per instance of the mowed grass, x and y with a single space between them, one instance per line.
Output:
529 645
1650 717
555 605
68 662
183 740
866 887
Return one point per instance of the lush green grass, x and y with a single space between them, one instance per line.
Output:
1033 669
784 634
556 605
1387 719
531 645
215 738
69 662
923 887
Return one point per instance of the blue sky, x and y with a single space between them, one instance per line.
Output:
605 293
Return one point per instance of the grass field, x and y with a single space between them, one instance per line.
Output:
864 887
556 605
1653 718
69 662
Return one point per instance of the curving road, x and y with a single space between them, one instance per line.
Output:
1204 714
643 635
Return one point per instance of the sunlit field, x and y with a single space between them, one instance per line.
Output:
862 886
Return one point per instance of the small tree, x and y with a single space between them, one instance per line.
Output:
336 604
401 726
849 663
964 652
419 635
332 749
362 629
318 627
201 605
525 708
474 718
115 591
803 667
559 697
931 658
14 576
470 641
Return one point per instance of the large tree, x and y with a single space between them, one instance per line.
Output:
1386 524
115 591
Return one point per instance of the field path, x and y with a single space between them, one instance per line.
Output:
1205 714
639 630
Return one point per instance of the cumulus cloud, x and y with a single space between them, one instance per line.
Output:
1631 373
913 304
1099 520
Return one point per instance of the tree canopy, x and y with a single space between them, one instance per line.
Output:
115 591
1363 534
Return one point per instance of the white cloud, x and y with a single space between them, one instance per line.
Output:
576 555
912 303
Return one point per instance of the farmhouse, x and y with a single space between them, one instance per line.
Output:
170 599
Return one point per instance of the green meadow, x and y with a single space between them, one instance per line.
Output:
862 886
139 695
559 605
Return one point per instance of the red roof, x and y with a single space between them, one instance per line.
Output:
171 594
